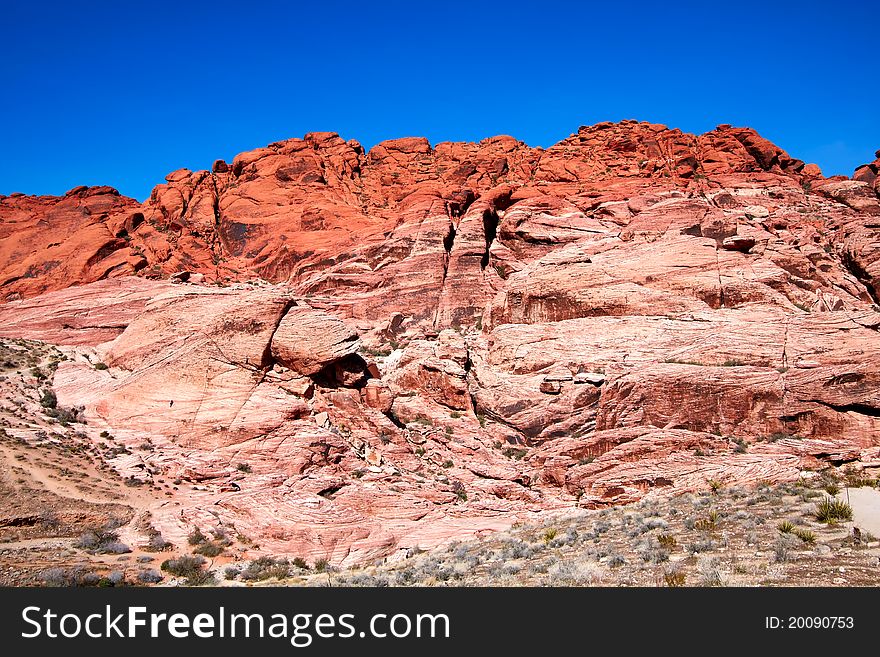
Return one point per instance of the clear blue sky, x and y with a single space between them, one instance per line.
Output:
121 93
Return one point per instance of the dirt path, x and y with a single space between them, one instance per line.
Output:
865 502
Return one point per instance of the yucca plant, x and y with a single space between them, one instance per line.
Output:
805 535
831 510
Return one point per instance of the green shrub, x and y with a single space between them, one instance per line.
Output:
100 366
786 527
48 400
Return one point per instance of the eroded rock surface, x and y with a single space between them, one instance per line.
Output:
348 352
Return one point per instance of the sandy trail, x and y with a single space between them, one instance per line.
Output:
865 502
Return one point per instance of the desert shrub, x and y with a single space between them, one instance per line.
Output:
115 547
653 554
321 564
100 366
103 540
183 566
709 574
832 488
201 578
48 400
157 543
149 576
856 478
66 416
783 547
76 576
209 549
196 537
114 578
299 562
231 572
615 561
265 568
831 510
514 453
243 467
701 545
655 523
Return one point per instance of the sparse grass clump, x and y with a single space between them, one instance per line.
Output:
667 541
786 527
805 535
549 534
832 488
674 578
514 453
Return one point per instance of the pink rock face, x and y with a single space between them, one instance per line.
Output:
307 340
447 339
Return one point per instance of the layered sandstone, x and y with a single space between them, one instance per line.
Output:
420 342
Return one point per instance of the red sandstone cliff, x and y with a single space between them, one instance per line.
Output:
521 329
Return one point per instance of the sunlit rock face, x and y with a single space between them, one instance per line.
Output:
345 353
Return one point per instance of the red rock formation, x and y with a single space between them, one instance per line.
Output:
447 338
